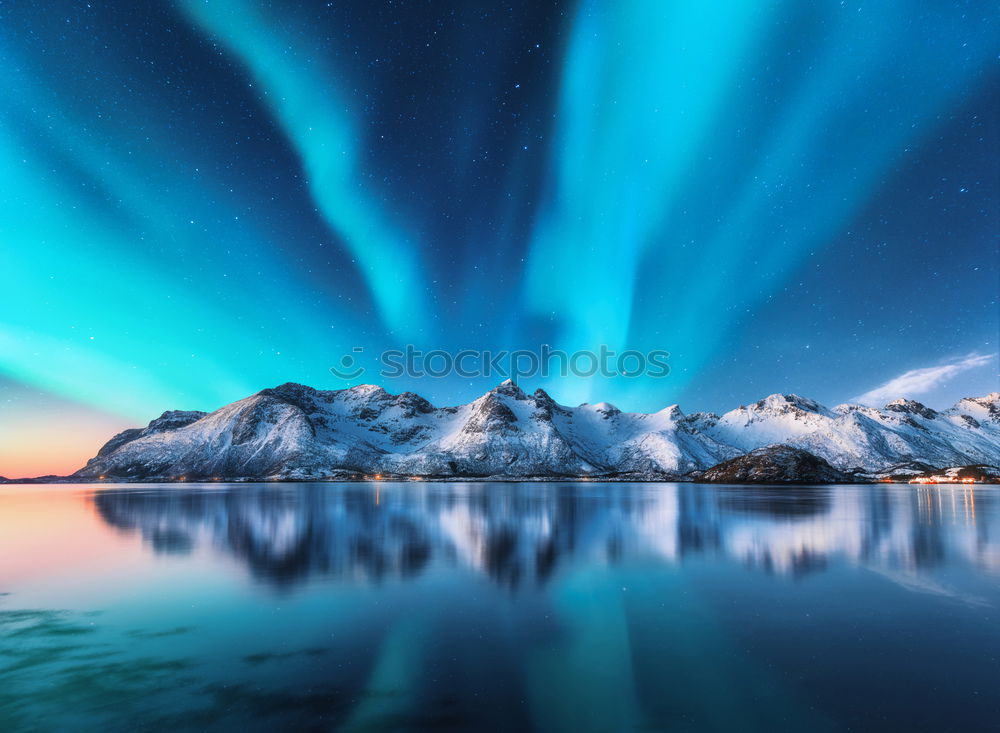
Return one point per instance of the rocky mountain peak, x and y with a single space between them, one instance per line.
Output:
911 407
704 418
292 393
489 413
545 405
412 404
787 402
366 390
985 408
169 420
509 389
174 419
672 412
288 389
606 409
541 395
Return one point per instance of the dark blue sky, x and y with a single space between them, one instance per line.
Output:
201 199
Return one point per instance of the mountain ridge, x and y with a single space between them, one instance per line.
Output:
293 431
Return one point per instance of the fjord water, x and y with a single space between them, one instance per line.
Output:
495 606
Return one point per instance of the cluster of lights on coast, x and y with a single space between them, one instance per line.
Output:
942 480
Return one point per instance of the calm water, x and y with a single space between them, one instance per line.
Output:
564 607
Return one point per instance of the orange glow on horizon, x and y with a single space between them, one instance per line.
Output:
50 442
43 434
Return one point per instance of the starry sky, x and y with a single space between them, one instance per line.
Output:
200 199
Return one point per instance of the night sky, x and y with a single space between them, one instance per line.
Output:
202 199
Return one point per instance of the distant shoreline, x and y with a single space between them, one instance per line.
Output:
69 481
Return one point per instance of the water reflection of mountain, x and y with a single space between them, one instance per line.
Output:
518 534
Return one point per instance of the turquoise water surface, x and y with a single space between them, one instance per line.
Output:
490 606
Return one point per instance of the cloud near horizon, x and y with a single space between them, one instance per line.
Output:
920 381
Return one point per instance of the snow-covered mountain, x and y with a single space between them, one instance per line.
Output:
293 431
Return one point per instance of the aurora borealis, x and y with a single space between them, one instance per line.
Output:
202 199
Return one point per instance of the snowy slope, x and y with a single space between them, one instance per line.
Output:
293 431
852 437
